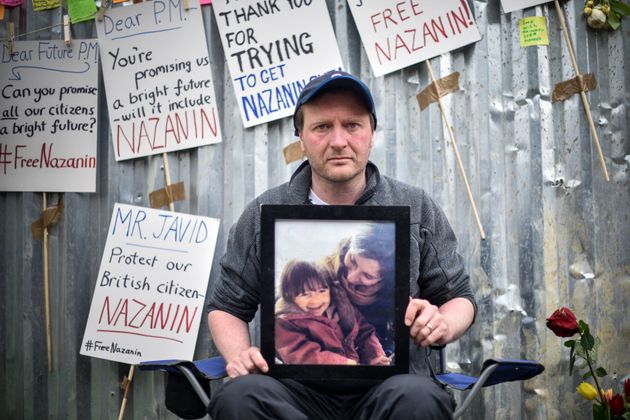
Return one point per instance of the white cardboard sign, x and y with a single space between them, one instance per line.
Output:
158 80
512 5
150 292
48 116
397 34
273 49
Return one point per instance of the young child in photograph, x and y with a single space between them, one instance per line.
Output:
317 324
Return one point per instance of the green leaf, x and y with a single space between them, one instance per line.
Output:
622 8
613 20
583 327
601 372
598 412
569 343
587 341
586 375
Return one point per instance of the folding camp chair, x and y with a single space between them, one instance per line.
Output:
183 375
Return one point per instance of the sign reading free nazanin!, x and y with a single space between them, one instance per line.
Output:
48 116
151 286
273 49
158 80
397 34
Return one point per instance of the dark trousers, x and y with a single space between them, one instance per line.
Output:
262 397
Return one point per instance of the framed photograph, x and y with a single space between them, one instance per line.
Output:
336 286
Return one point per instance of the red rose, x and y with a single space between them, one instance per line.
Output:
616 405
563 323
626 388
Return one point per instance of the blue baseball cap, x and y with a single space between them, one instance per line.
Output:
334 80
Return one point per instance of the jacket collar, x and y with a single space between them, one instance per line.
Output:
300 183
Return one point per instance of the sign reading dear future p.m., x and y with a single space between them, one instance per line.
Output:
158 80
274 48
150 291
48 114
397 34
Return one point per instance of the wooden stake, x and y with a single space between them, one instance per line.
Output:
587 107
126 393
459 159
46 293
167 179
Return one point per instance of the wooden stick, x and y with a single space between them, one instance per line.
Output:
587 107
46 293
167 178
126 393
459 159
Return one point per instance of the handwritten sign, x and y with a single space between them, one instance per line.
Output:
48 115
273 49
512 5
150 291
533 31
158 80
397 34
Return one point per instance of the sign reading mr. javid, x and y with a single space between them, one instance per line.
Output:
273 49
150 291
398 34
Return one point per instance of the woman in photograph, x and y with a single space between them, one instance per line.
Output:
317 324
365 267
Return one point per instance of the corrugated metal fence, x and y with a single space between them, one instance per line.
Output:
557 233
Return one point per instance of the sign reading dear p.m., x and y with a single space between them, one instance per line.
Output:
397 34
273 48
151 286
158 80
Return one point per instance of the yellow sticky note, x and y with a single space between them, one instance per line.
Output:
39 5
533 31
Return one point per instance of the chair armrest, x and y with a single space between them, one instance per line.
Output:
494 371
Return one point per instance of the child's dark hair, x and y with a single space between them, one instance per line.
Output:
300 276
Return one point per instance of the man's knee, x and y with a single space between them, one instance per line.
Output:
416 396
254 397
241 392
410 385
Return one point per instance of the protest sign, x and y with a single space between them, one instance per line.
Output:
158 80
397 34
512 5
48 115
150 291
273 49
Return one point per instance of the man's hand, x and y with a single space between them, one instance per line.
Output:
246 362
426 324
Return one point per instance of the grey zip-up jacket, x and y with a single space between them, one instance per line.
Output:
436 270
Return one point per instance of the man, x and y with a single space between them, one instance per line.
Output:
335 119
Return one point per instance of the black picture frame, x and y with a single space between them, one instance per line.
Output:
312 232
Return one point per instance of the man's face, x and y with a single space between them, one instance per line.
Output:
337 137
